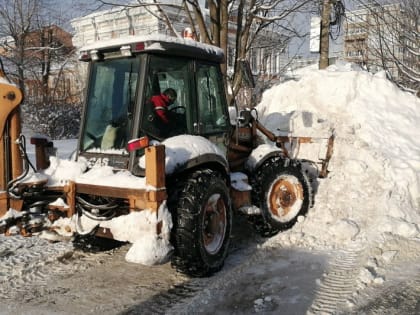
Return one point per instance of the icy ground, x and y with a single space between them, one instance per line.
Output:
356 252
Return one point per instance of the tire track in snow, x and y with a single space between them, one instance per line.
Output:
162 302
186 297
401 298
338 282
27 263
397 260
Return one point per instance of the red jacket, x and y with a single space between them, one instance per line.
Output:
161 103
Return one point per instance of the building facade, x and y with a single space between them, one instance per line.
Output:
119 22
374 39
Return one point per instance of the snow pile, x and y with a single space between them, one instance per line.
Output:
374 181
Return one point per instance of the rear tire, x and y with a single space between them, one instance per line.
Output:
202 217
282 191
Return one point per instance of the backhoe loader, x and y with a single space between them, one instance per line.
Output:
205 166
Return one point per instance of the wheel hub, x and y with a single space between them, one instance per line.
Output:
214 223
285 198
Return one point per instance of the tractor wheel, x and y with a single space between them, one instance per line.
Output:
202 218
282 191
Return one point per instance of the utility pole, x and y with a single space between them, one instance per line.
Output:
325 33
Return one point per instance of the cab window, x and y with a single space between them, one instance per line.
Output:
163 74
211 100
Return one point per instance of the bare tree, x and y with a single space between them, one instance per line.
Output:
394 37
32 45
35 51
248 19
51 52
16 22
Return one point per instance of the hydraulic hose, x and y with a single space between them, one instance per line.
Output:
22 148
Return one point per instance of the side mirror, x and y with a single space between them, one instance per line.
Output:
245 118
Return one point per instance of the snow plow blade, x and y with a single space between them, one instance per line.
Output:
293 147
325 144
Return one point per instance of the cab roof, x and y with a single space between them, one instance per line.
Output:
160 44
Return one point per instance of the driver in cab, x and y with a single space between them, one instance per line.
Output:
161 103
164 122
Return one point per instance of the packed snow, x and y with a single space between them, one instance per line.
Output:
373 185
372 191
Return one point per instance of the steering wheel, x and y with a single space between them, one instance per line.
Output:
175 108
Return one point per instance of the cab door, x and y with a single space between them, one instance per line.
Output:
212 112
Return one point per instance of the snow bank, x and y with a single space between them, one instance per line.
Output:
374 183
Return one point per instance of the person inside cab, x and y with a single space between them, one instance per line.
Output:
161 103
162 121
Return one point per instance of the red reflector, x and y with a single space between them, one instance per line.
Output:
137 144
139 47
84 57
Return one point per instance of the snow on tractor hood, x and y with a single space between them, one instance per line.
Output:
180 150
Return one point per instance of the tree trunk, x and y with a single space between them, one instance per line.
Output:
325 35
224 32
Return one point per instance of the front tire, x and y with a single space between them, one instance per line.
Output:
202 217
282 191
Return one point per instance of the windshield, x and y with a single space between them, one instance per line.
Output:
110 106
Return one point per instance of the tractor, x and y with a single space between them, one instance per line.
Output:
212 161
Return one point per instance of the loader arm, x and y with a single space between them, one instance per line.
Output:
10 160
10 98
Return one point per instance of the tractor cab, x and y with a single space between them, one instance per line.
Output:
125 77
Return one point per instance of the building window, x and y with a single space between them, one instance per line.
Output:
254 60
231 57
274 64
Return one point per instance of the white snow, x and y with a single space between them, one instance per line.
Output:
371 193
3 80
149 246
61 171
180 149
59 203
105 176
239 181
153 42
374 180
259 153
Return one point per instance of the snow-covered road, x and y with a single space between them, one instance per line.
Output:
54 278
